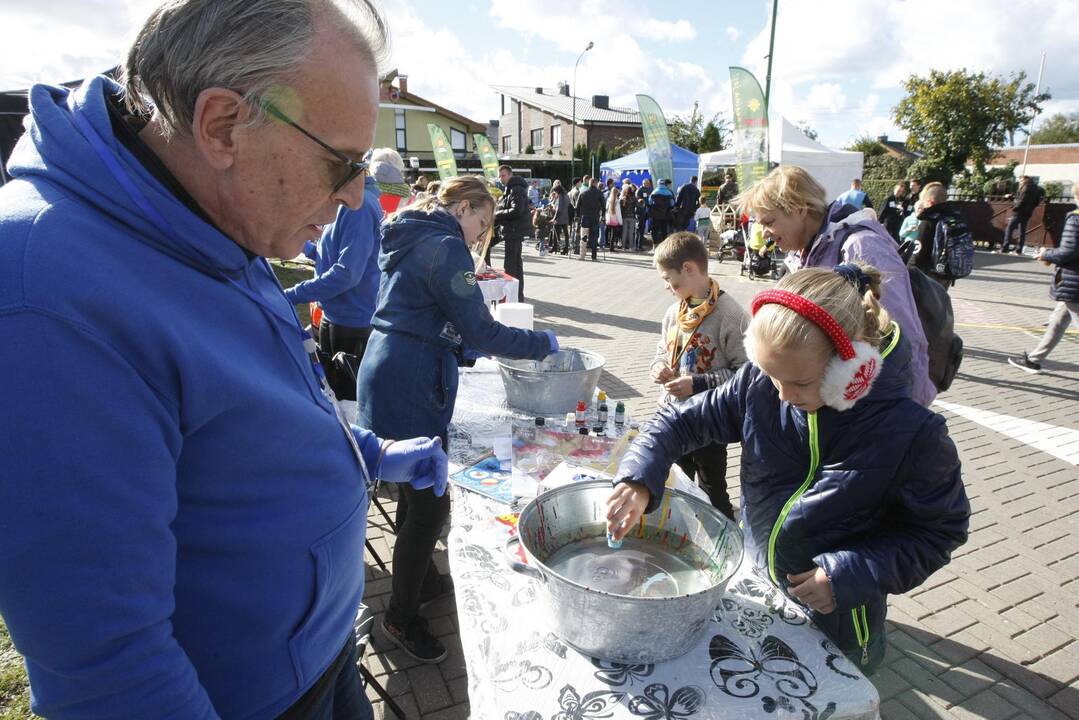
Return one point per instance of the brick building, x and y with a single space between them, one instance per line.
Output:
1046 163
543 119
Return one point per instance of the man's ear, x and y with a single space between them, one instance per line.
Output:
219 113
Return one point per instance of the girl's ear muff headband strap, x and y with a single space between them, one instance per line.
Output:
812 312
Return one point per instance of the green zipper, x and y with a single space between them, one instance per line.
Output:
861 631
814 461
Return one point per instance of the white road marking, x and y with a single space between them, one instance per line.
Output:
1060 442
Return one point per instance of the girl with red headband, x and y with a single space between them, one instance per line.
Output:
850 490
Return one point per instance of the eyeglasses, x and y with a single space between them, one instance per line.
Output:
353 168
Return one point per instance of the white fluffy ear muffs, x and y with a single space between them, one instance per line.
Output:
850 374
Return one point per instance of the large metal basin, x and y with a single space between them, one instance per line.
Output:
588 605
554 385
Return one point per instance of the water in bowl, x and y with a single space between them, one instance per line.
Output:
638 569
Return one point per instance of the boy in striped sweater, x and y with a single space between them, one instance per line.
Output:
700 347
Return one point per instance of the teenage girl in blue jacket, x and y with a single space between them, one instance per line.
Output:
429 311
850 490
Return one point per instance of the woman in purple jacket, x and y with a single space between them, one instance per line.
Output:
793 209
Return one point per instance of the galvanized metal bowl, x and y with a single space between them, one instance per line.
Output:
551 386
616 626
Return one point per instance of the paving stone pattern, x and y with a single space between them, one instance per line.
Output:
993 635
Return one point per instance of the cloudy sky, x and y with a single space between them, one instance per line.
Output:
838 63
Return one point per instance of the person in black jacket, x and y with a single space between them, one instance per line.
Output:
642 209
894 208
688 199
935 207
513 218
1064 289
1025 200
590 209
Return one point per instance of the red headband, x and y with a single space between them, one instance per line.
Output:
812 312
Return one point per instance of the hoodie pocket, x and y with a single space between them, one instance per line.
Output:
440 397
338 590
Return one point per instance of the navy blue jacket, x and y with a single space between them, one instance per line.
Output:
429 309
346 267
1065 287
884 507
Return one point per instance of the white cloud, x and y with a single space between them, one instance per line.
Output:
617 66
733 33
869 47
73 39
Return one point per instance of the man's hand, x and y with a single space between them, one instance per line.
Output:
680 387
813 589
661 374
625 507
420 462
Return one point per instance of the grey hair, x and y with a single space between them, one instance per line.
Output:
248 46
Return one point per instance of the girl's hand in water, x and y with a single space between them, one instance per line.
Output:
813 589
625 507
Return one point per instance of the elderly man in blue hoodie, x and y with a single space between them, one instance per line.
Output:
182 507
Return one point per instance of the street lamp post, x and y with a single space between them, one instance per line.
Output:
573 127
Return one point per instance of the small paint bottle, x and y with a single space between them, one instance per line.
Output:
581 409
602 419
612 543
541 421
620 413
582 431
568 422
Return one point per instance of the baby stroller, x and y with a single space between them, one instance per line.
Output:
732 245
542 224
771 266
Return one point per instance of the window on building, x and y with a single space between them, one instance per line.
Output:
399 124
457 140
537 138
506 139
556 136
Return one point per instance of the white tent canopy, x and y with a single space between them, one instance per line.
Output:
787 145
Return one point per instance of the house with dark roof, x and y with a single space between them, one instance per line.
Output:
898 149
402 124
542 118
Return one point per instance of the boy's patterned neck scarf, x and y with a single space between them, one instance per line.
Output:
689 319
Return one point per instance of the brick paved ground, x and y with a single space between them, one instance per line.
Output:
993 635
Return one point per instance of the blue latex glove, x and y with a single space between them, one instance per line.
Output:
553 339
420 462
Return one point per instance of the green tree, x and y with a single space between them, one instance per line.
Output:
711 139
958 116
688 130
626 147
602 155
1059 128
867 146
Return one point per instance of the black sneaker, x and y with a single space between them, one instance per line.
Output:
1025 364
415 640
443 588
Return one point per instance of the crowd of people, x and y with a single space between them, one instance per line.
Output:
184 502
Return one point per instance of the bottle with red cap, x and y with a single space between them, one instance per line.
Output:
581 409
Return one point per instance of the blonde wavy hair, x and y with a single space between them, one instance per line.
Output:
451 191
860 316
788 189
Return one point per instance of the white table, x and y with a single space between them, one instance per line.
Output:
759 658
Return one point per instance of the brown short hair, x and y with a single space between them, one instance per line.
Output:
680 248
507 168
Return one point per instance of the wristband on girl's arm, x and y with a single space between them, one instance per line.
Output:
381 455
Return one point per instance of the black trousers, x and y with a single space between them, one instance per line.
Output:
562 230
514 264
660 229
332 339
709 466
420 518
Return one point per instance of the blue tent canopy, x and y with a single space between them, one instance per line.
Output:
634 167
